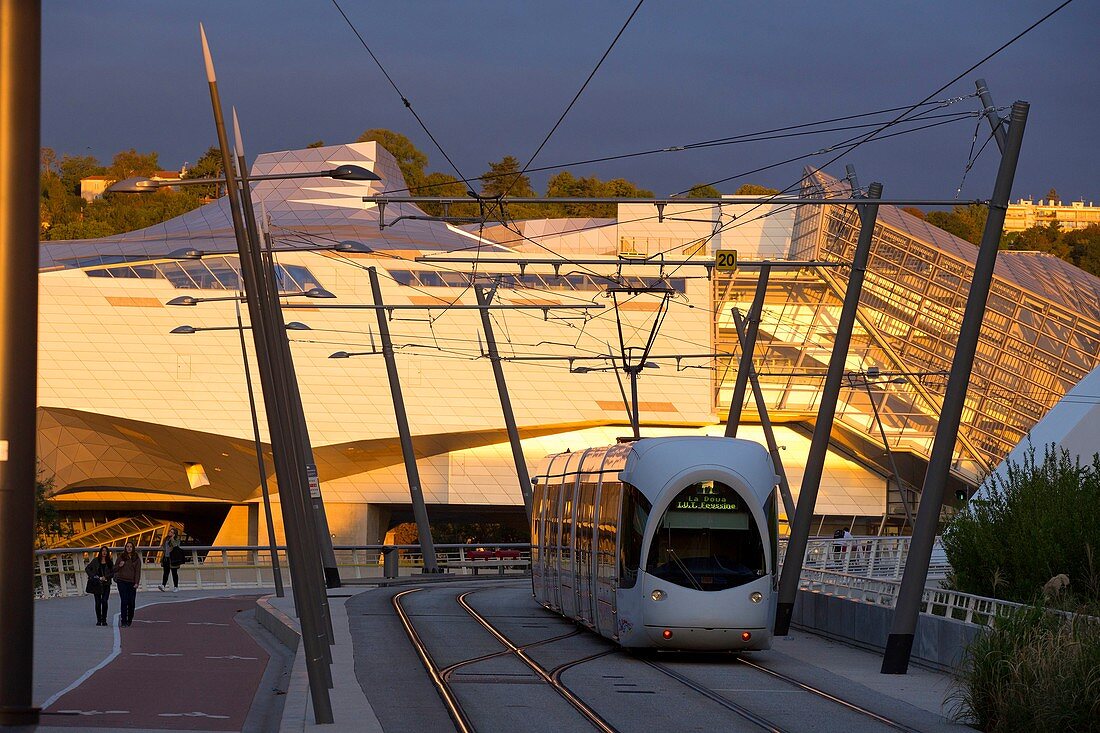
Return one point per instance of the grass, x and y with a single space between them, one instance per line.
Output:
1035 670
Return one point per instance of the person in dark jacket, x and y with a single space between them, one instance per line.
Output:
171 557
99 571
128 578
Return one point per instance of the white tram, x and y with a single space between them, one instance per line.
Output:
663 543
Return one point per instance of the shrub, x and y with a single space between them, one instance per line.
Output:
1036 522
1035 670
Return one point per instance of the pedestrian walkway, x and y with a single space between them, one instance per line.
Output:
193 661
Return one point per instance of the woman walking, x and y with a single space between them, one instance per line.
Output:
171 557
99 571
128 577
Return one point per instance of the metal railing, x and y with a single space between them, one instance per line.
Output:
969 609
60 572
869 557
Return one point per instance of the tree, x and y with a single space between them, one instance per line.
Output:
209 165
965 222
914 211
704 191
316 144
409 159
1084 248
1047 238
1052 197
48 525
1008 543
132 163
753 189
504 177
566 185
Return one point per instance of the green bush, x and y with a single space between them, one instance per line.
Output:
1039 521
1035 670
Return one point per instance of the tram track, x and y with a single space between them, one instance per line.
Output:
551 675
441 676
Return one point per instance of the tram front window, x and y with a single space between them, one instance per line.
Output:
707 540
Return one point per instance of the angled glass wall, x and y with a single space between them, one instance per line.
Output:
1040 337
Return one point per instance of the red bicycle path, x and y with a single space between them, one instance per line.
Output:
181 666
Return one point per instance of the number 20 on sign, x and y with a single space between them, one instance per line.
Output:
725 259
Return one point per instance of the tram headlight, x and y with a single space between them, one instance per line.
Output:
756 596
657 595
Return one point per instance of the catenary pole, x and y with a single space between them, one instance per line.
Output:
20 90
766 424
899 644
823 427
416 494
748 346
298 554
484 298
276 570
298 427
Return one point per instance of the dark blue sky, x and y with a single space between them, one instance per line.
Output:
490 79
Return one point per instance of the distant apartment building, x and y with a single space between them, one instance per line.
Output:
1025 214
93 187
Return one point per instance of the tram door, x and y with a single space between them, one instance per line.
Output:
583 557
609 500
568 598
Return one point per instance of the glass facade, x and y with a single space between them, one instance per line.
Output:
209 273
1041 333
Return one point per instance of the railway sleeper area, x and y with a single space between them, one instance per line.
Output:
491 659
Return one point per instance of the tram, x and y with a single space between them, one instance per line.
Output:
661 543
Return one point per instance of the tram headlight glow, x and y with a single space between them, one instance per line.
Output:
657 595
756 596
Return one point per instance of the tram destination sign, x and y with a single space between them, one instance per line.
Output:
708 498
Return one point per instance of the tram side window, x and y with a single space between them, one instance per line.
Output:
584 521
567 523
552 524
635 512
608 519
707 540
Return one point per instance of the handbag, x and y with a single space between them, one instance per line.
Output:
177 556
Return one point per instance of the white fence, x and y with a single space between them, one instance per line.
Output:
61 572
869 557
963 607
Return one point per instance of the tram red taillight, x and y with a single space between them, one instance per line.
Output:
667 633
745 636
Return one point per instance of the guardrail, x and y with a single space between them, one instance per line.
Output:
60 572
870 557
969 609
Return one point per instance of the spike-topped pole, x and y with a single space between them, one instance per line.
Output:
299 430
299 555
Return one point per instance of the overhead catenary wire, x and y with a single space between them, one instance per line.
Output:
404 99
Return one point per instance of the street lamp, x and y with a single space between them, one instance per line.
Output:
142 184
292 326
190 300
347 246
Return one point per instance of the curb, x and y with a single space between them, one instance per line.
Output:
282 627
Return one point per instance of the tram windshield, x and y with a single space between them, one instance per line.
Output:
707 540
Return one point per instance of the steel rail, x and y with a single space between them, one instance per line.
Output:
589 714
833 698
454 709
714 696
448 671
